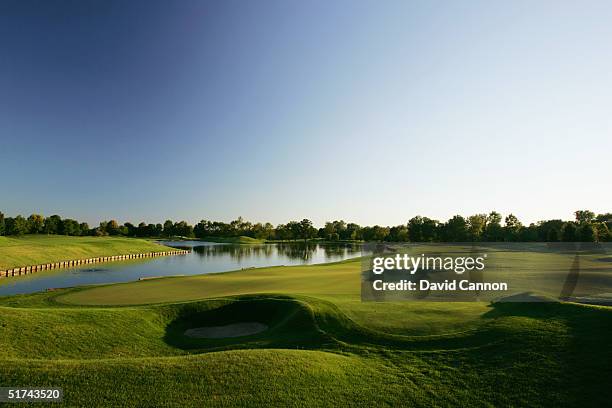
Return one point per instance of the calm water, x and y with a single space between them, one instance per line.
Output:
204 258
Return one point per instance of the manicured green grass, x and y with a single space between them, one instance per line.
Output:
312 354
234 240
39 249
324 347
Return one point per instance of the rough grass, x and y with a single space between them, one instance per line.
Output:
39 249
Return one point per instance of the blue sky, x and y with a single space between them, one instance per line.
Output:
276 110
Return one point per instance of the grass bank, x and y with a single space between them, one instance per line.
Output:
233 240
39 249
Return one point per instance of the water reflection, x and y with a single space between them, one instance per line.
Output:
205 257
294 251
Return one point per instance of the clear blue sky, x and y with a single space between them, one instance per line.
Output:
368 111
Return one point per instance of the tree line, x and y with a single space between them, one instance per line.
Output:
586 227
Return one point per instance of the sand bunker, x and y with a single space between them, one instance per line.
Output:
231 330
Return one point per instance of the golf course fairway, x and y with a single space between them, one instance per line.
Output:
125 345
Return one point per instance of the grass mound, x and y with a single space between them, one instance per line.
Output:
234 240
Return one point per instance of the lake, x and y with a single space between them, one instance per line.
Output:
205 257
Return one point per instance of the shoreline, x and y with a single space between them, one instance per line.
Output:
29 269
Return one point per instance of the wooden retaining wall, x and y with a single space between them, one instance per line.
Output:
26 270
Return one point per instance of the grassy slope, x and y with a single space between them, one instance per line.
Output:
334 282
324 345
38 249
520 354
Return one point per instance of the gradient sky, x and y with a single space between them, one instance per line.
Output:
369 111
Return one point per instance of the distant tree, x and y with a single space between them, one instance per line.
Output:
85 228
201 229
306 230
262 231
353 231
183 229
375 233
603 232
52 224
550 231
494 232
455 229
430 230
36 223
168 228
398 233
552 235
529 234
512 228
16 226
112 228
141 231
476 226
70 227
584 216
569 233
283 232
2 224
587 233
415 229
97 232
129 229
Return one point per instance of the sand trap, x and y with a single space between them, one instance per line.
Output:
231 330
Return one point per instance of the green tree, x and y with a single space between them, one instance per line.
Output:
36 223
70 227
398 233
552 235
168 228
512 228
306 230
587 233
476 226
84 228
584 216
130 229
494 231
529 234
569 233
550 231
112 228
353 231
183 229
52 224
415 229
16 226
375 233
603 232
455 229
2 224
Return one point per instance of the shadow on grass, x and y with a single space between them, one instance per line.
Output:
290 324
577 339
